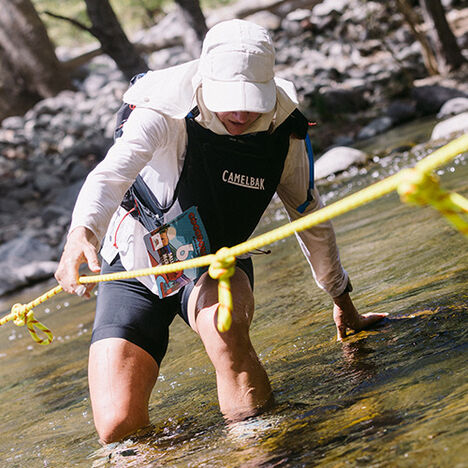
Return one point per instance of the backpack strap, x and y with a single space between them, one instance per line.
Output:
310 191
299 127
195 112
139 200
125 110
141 203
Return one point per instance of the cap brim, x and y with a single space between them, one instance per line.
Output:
231 96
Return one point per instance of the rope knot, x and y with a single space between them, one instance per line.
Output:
19 313
420 188
22 314
223 266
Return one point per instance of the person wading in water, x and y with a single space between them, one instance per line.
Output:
207 142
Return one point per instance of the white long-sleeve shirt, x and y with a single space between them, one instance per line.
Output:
153 144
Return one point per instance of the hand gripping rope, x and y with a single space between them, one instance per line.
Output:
417 186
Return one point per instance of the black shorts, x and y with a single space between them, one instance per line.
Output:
128 309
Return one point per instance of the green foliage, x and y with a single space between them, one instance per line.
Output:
212 4
61 32
133 15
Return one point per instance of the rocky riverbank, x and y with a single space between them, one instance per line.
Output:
358 70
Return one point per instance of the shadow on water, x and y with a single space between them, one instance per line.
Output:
392 396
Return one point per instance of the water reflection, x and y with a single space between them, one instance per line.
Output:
395 395
371 393
359 363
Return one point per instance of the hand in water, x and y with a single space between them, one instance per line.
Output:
346 316
81 247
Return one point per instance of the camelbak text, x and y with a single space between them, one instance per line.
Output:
242 180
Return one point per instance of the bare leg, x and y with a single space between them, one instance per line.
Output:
121 377
243 386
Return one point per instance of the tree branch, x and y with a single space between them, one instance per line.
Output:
72 64
69 20
408 13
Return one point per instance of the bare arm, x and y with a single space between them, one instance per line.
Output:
319 245
102 193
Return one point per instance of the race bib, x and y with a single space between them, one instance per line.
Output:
181 239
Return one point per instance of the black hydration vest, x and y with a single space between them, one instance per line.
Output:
230 179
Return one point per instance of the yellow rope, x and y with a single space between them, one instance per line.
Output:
222 268
419 188
417 185
22 314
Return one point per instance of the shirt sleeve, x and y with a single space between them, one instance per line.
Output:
105 186
318 243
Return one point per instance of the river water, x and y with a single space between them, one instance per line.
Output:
396 395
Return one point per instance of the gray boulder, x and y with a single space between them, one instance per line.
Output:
24 250
401 111
25 260
15 278
331 101
453 107
429 99
453 125
338 159
375 127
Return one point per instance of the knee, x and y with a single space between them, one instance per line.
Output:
114 427
228 346
234 343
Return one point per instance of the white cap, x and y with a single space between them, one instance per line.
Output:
237 68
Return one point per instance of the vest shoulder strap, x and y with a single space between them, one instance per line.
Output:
195 112
298 124
299 127
125 110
